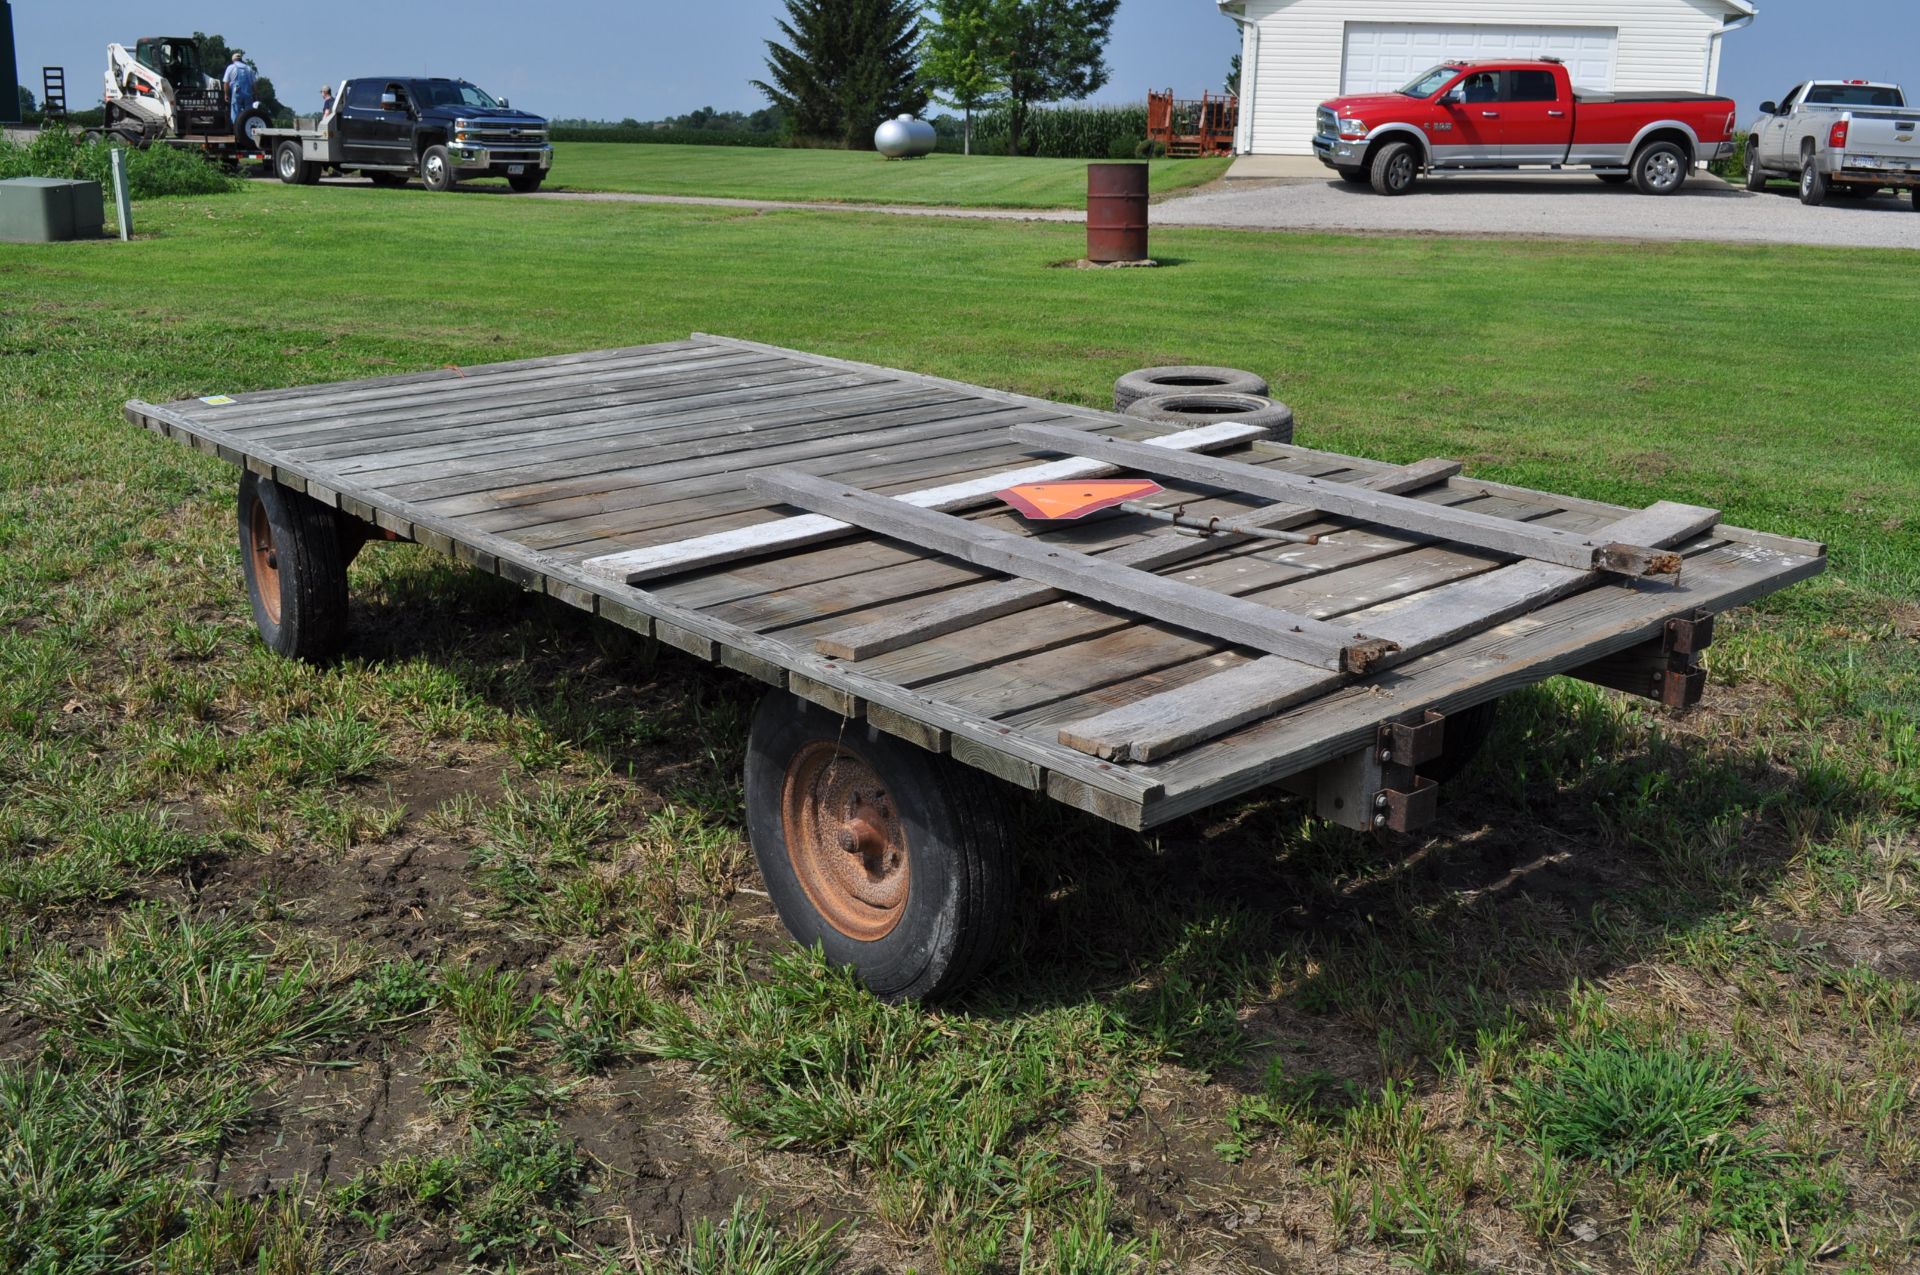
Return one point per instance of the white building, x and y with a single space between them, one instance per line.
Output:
1296 54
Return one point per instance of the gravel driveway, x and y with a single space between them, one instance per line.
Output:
1573 207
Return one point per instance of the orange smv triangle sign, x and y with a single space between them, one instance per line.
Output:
1054 502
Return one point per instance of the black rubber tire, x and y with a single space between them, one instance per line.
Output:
526 183
1351 176
1395 168
385 180
1176 378
1465 735
1814 186
1660 168
290 168
962 884
436 169
1756 175
1913 197
1195 408
312 567
1615 179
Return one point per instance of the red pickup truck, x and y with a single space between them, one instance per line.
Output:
1495 116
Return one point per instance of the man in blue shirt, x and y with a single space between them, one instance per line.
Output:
239 81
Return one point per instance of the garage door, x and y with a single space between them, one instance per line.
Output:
1382 56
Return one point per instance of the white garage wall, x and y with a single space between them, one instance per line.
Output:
1663 44
1382 56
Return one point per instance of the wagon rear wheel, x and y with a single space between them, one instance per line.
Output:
295 568
896 861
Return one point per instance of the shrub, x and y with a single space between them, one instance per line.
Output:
1150 148
158 170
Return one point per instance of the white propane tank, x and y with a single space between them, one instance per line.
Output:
904 137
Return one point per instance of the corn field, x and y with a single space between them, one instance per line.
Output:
1065 132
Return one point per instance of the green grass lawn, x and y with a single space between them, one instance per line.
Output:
451 955
847 177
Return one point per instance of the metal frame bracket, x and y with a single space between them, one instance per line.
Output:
1379 789
1665 669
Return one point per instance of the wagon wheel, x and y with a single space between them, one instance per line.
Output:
895 860
296 570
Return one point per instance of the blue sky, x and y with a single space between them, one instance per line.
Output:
600 59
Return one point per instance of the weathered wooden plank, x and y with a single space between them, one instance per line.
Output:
1218 615
1562 636
536 479
634 566
1158 726
580 360
446 388
712 467
1546 544
1006 597
597 410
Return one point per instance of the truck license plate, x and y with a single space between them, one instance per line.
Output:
516 170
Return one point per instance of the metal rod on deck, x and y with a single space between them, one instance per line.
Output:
1179 517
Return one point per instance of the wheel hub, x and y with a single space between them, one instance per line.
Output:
266 561
845 840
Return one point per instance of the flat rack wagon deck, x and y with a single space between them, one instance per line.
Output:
737 501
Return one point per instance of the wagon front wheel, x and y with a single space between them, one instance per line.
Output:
296 570
896 861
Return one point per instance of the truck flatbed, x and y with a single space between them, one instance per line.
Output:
833 529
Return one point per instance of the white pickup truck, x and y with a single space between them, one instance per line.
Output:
1847 137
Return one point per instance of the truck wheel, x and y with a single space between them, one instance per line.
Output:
895 860
1914 196
436 169
296 570
1195 408
290 168
1756 175
526 183
1814 185
1395 168
1145 382
1659 169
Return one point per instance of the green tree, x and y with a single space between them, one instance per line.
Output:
215 53
1233 76
1048 51
956 59
29 106
846 66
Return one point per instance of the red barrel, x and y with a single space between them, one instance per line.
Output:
1116 212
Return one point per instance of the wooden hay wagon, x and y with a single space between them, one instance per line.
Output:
833 529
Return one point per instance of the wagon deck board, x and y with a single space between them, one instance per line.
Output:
544 470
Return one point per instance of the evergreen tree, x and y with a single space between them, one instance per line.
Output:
847 65
956 61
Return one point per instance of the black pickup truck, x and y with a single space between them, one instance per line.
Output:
405 126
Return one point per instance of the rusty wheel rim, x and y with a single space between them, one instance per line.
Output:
845 840
266 561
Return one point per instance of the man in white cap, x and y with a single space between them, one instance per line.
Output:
239 80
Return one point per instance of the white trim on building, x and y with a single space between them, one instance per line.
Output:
1295 54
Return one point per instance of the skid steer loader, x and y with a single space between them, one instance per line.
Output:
160 93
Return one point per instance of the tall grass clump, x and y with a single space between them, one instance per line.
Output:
155 171
1064 132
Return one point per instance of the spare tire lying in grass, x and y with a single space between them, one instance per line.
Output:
1148 381
1212 407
